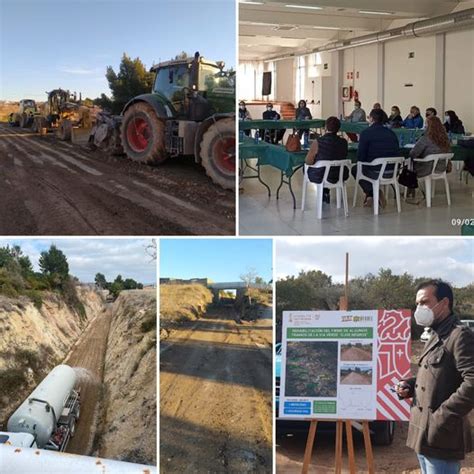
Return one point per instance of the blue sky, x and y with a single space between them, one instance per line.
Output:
86 257
218 259
46 44
451 259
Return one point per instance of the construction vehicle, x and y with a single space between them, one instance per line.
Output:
190 111
27 110
47 418
65 114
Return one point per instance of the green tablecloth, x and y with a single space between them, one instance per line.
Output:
273 155
280 124
353 127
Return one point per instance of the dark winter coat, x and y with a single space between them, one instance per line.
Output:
444 394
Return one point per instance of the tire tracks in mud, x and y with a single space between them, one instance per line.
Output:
94 194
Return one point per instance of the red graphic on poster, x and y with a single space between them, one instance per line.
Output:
393 363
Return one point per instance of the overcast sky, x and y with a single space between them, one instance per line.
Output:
451 259
86 257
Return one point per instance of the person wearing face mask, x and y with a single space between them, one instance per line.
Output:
443 389
244 114
414 118
272 136
302 113
395 120
453 123
357 115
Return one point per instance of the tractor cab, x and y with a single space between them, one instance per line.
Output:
27 106
195 87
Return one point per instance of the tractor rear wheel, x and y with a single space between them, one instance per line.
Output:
218 153
64 130
143 134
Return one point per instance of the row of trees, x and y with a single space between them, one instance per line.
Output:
17 276
116 286
314 290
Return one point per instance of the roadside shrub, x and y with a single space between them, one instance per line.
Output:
28 358
149 321
11 381
36 297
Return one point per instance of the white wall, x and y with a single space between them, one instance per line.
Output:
401 70
285 71
459 90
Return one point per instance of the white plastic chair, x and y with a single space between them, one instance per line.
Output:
380 181
433 176
340 185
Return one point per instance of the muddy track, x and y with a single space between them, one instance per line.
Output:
51 187
88 355
216 382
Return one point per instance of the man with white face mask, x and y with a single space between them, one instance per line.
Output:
443 390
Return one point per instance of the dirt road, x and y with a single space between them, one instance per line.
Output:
394 459
87 357
50 187
355 354
216 382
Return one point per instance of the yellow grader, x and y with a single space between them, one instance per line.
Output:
64 114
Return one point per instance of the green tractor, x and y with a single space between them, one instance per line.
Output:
26 113
190 111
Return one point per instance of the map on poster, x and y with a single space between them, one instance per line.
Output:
344 364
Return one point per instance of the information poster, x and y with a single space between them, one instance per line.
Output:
344 364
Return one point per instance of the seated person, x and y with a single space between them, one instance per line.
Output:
431 112
376 141
385 116
453 123
357 115
302 113
434 141
395 120
414 118
244 114
271 136
327 147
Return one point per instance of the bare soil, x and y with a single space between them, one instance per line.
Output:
88 354
396 458
216 383
50 187
356 354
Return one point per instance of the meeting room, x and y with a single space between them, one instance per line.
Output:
356 117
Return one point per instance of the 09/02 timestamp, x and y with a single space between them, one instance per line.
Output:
458 222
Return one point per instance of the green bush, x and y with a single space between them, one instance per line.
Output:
36 297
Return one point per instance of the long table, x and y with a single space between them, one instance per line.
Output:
405 135
288 163
280 124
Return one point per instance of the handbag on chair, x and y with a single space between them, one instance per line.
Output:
293 143
408 178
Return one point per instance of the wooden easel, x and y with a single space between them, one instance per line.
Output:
343 305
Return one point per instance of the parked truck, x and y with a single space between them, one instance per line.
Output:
190 111
47 418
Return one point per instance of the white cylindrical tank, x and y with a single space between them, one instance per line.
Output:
35 417
33 461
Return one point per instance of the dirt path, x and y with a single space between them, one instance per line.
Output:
216 382
88 357
356 379
355 354
394 459
51 187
